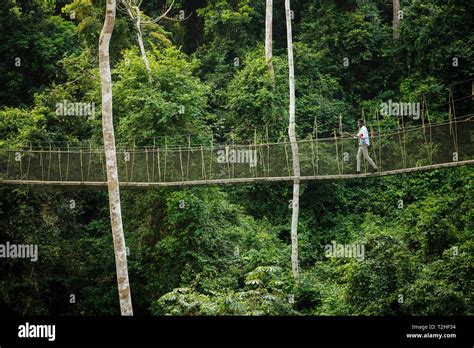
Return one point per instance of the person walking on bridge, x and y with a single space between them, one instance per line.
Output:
364 143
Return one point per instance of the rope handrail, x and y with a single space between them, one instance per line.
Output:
125 147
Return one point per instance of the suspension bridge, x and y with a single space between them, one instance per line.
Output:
448 143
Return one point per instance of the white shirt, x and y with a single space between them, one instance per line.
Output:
363 136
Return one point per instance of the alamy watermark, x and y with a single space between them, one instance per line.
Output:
237 156
356 251
400 109
37 331
67 108
22 251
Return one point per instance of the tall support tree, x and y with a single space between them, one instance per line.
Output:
396 19
294 146
111 161
135 14
269 38
132 9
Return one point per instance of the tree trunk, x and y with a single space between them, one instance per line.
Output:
111 160
140 43
396 19
268 39
294 147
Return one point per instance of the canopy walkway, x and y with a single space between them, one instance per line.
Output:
400 150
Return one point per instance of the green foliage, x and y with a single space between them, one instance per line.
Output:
252 101
88 15
17 127
174 102
75 254
262 295
33 41
438 27
226 250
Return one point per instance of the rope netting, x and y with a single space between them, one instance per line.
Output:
434 144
